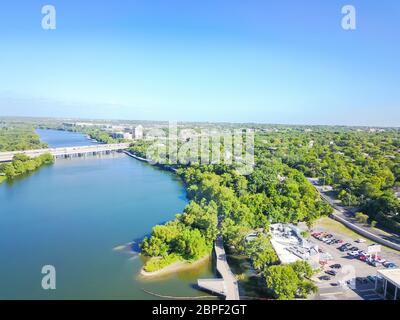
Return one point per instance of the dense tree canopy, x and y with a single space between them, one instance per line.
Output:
19 137
22 164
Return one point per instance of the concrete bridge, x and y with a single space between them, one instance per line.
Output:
66 151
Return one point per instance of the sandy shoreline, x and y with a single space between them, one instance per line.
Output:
174 267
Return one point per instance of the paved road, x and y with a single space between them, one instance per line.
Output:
346 217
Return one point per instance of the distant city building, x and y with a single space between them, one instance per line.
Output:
127 136
117 135
138 132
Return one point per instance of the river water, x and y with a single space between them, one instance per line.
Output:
75 215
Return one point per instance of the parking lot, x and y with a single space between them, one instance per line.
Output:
333 286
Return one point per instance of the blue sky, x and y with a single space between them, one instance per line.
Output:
211 60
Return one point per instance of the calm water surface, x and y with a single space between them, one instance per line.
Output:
74 215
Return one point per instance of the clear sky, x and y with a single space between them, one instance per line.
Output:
203 60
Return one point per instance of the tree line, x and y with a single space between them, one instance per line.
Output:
22 164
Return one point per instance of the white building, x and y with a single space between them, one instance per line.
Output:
290 245
127 135
138 132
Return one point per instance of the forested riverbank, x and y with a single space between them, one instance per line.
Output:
18 137
223 201
22 164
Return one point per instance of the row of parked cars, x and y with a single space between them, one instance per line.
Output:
351 250
371 259
326 237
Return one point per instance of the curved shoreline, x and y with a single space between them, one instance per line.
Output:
173 268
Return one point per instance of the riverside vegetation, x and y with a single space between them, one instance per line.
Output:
221 200
21 137
22 164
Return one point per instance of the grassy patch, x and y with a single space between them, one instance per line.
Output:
337 227
2 179
155 264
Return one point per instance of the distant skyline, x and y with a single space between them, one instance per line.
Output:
237 61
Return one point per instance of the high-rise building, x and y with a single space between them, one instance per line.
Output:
138 132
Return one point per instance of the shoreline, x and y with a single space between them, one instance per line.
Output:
164 167
173 268
130 154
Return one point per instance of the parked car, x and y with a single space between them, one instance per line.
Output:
373 263
326 278
336 266
390 265
331 272
355 253
363 257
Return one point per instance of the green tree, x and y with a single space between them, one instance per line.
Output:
361 217
283 281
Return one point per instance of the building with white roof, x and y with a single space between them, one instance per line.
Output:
290 245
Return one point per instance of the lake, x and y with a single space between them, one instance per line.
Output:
74 214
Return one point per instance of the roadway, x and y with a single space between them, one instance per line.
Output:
346 217
66 151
